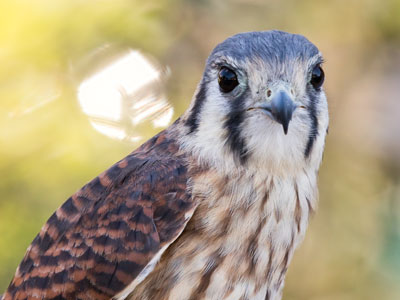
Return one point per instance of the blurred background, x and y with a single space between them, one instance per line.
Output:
52 142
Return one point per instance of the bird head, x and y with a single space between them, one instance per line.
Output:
260 103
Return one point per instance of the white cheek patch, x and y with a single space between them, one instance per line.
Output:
208 142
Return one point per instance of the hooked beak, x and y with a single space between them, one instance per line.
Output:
280 108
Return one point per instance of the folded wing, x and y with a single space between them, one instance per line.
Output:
98 243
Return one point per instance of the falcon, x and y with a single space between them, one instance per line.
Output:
212 207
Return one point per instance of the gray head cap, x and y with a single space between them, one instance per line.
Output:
273 46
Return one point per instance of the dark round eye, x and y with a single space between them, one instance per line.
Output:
227 79
317 77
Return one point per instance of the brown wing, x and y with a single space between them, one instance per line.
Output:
102 237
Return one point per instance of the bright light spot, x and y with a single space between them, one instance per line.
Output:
149 111
164 119
109 130
125 93
100 101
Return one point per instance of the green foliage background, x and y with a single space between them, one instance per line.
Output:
48 149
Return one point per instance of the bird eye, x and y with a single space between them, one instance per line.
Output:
227 79
317 77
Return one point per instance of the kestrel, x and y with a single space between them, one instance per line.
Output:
212 207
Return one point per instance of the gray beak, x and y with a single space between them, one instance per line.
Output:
281 108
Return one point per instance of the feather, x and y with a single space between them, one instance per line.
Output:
99 241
